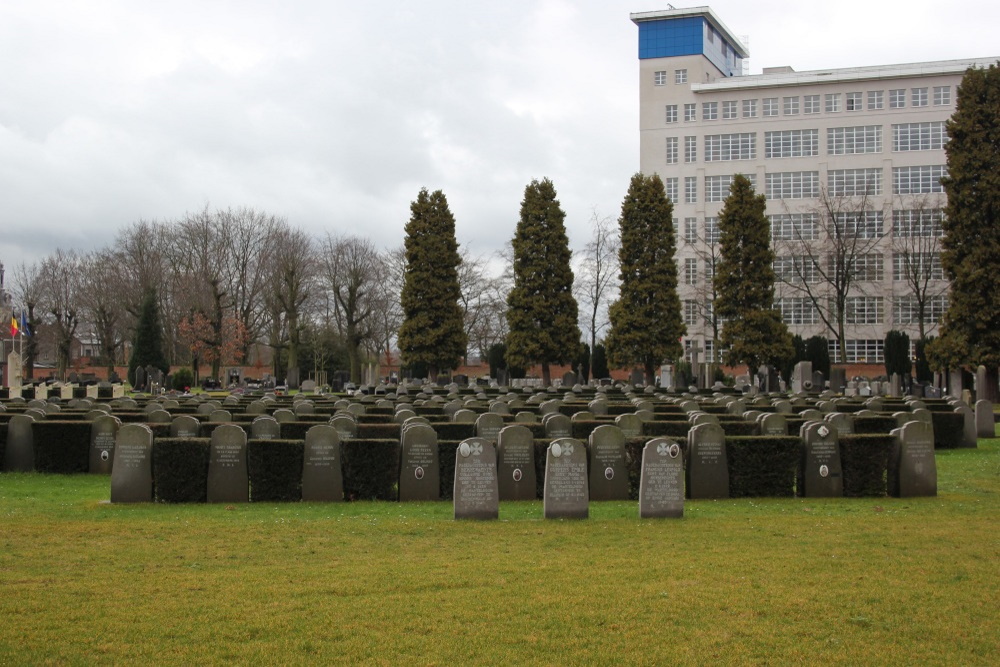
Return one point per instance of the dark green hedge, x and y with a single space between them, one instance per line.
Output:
3 443
454 431
762 466
880 424
371 469
385 431
948 429
738 428
446 466
865 461
673 429
275 470
180 468
61 446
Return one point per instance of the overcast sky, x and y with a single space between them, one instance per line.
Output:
334 114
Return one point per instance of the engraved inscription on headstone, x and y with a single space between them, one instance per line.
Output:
608 474
661 483
227 466
707 470
346 427
322 478
184 426
566 493
557 425
821 473
912 466
476 492
265 428
419 473
488 426
630 424
516 463
103 432
132 472
773 423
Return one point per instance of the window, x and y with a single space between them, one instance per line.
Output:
868 267
690 230
796 269
791 143
853 101
897 98
691 312
709 110
918 265
749 108
875 100
797 310
690 112
729 110
717 187
770 106
811 103
832 102
712 230
917 222
917 180
690 149
919 136
672 150
854 140
671 113
691 271
918 97
791 106
792 185
690 189
726 147
676 226
854 182
860 224
659 78
942 96
794 226
906 309
864 309
680 76
868 351
671 186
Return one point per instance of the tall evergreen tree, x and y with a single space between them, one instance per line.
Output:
541 308
147 344
744 282
433 331
970 332
646 323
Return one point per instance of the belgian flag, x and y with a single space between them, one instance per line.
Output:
13 324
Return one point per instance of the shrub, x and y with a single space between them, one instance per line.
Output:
182 379
762 466
371 469
865 461
949 428
180 468
61 446
275 470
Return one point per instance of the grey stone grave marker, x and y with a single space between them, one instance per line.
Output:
630 425
103 432
557 426
283 415
132 469
912 468
221 416
566 494
158 417
599 407
19 455
822 476
608 474
516 463
464 416
265 428
488 426
661 482
227 466
476 493
525 417
184 426
707 470
256 408
322 479
844 423
969 430
419 472
773 423
985 424
347 428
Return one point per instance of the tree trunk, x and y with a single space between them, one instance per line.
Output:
546 374
650 374
991 392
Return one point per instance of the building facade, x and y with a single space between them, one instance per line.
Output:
850 161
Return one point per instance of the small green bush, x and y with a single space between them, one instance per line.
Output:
762 466
371 469
180 468
61 446
865 461
182 379
949 428
275 470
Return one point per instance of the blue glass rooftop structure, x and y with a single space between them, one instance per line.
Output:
689 32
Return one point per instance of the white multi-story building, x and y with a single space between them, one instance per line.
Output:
849 160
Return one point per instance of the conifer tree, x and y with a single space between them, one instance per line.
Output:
646 323
970 332
147 344
744 282
541 308
433 331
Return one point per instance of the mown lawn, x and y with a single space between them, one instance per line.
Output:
778 581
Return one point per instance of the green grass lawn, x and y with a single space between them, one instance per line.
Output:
778 581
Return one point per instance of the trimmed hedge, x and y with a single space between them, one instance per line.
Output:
275 470
949 428
371 469
446 466
675 429
61 446
762 466
880 424
180 469
865 461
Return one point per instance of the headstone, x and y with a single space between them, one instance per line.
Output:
464 416
844 423
419 472
488 426
661 482
516 463
265 428
569 379
802 377
283 415
525 417
969 430
159 417
637 377
707 468
608 474
476 493
818 381
599 407
773 424
630 424
103 432
838 378
19 455
912 467
985 424
132 469
347 428
308 386
304 408
558 426
566 494
184 426
822 476
322 479
227 466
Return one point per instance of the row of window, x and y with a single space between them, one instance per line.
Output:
858 310
660 77
858 140
770 107
867 267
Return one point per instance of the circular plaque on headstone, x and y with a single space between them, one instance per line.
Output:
823 432
517 474
418 472
104 455
609 473
824 471
675 450
465 449
556 450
